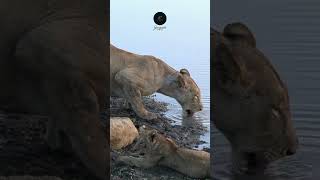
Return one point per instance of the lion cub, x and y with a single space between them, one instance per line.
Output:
164 152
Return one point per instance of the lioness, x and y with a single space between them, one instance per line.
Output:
251 103
164 152
133 76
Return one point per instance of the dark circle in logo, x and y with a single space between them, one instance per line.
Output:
160 18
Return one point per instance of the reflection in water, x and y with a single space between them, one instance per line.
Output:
190 122
287 31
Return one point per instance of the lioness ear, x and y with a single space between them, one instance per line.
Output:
231 74
185 71
238 32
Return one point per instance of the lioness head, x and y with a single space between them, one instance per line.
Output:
251 103
186 92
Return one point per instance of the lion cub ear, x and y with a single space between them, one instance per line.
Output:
153 135
184 72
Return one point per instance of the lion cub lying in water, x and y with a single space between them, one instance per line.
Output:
164 152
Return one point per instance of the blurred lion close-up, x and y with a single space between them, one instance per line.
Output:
251 102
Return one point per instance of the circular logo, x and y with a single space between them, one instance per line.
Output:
160 18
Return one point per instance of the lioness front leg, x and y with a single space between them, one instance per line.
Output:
138 106
145 162
131 86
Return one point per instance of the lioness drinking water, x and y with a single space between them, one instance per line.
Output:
133 76
251 102
164 152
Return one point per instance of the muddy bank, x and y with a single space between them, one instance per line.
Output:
183 136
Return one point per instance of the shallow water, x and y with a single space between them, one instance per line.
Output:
288 32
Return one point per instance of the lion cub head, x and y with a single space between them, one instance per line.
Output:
251 101
156 142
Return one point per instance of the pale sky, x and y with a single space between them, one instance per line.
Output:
186 37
